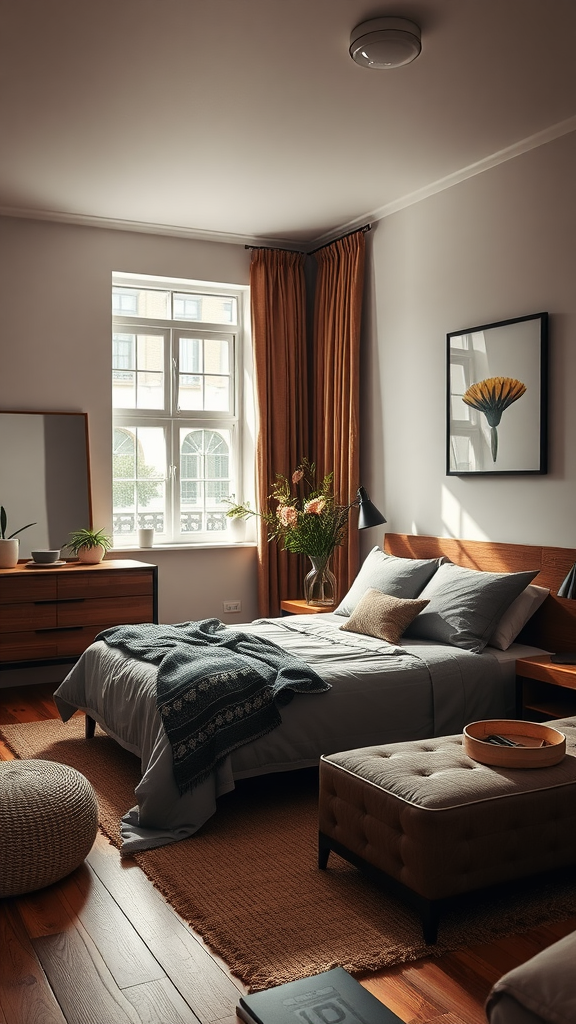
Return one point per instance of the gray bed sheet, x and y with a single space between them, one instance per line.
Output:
380 694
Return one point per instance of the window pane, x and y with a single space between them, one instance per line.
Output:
210 309
123 366
139 484
123 389
150 390
124 351
217 394
190 355
187 307
216 355
143 389
190 391
145 302
124 301
204 374
150 378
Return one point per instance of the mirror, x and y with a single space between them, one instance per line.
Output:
45 476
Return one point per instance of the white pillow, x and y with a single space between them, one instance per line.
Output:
517 615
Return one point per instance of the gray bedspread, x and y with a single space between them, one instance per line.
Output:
216 688
379 694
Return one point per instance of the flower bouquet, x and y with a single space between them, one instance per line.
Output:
305 517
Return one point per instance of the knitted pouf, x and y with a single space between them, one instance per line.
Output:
48 823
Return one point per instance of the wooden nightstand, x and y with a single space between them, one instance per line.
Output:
299 607
545 689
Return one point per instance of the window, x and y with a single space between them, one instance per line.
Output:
124 301
177 436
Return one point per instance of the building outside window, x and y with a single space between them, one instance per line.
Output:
178 408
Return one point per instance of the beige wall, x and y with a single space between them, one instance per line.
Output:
55 318
499 245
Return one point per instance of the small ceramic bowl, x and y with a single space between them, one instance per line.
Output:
45 556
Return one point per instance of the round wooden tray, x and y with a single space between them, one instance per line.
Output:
541 745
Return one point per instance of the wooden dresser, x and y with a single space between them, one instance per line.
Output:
54 614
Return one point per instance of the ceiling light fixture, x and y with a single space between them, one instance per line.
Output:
385 43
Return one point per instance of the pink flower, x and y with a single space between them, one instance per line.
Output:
315 506
287 515
297 476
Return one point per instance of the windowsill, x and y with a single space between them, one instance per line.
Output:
204 546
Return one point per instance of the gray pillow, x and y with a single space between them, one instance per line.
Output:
400 577
465 605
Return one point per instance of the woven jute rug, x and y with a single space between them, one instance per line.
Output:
249 885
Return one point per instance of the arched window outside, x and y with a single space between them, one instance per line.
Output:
204 481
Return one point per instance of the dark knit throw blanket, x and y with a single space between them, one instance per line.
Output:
217 688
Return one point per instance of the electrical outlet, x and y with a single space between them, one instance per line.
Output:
232 606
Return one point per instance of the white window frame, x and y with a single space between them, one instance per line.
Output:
238 421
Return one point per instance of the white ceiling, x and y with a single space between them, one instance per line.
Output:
247 119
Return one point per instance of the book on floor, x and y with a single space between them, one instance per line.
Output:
333 997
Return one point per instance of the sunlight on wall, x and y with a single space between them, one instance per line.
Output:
456 521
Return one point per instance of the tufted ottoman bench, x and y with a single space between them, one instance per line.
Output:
439 824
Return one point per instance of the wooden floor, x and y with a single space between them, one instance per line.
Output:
103 947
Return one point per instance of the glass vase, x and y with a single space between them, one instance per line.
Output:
320 583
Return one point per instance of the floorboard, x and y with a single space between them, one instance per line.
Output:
81 981
103 947
159 1002
25 994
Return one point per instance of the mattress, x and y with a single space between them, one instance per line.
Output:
379 693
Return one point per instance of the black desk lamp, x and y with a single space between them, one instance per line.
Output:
566 589
369 515
568 586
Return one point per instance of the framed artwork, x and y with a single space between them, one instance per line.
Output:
496 420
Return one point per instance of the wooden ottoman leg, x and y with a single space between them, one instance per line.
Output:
90 727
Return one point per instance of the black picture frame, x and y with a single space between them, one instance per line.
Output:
497 398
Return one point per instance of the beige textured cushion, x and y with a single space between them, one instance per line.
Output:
382 615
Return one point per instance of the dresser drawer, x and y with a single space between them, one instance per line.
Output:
104 584
28 646
35 585
53 643
14 618
114 611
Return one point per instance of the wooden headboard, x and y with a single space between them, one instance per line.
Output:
553 627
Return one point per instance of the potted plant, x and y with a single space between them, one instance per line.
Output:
9 544
89 545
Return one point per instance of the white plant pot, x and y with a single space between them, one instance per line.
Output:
9 550
91 555
236 529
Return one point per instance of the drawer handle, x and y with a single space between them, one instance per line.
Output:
63 600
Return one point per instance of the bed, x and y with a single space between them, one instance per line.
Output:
380 691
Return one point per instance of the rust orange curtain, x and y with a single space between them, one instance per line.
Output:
337 322
278 312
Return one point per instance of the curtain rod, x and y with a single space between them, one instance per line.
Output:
274 248
364 229
299 252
